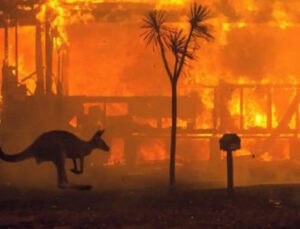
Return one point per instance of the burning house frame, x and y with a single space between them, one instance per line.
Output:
134 119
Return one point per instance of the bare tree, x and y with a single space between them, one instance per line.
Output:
182 45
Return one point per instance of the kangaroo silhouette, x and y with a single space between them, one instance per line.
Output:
56 146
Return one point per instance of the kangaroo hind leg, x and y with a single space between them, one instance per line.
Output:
62 180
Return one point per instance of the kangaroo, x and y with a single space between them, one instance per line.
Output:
55 146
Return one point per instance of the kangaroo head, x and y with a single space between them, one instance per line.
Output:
98 142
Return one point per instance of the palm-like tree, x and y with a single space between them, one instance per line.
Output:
182 45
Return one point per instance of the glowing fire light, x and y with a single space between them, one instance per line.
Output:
152 152
281 17
266 157
117 153
208 68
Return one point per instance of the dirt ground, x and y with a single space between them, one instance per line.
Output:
271 206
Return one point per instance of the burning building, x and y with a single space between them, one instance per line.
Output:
81 65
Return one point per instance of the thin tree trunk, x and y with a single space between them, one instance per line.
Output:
173 135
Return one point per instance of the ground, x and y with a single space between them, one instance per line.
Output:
268 206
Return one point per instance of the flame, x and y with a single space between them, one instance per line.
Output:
152 151
281 16
117 153
170 3
181 123
256 43
242 152
250 5
73 122
266 157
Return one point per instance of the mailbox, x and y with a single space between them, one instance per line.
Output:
230 142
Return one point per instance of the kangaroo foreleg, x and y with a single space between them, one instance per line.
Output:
62 177
75 170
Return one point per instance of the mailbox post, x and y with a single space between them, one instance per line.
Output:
230 143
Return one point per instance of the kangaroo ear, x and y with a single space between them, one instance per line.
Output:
98 134
102 132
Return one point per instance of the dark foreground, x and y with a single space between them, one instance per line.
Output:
253 207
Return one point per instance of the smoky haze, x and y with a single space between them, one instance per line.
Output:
255 42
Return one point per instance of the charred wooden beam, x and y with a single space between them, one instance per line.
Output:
269 109
65 71
17 47
24 10
283 125
242 108
40 85
226 90
49 55
215 109
6 44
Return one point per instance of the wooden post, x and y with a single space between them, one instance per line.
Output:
104 115
40 89
4 71
230 188
214 151
6 43
297 115
242 108
269 107
59 83
17 49
215 111
49 54
65 71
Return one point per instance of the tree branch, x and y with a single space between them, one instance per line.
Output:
176 64
163 54
178 71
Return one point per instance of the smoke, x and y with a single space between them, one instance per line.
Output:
116 61
248 53
256 41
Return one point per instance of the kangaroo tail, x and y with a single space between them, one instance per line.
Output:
16 157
